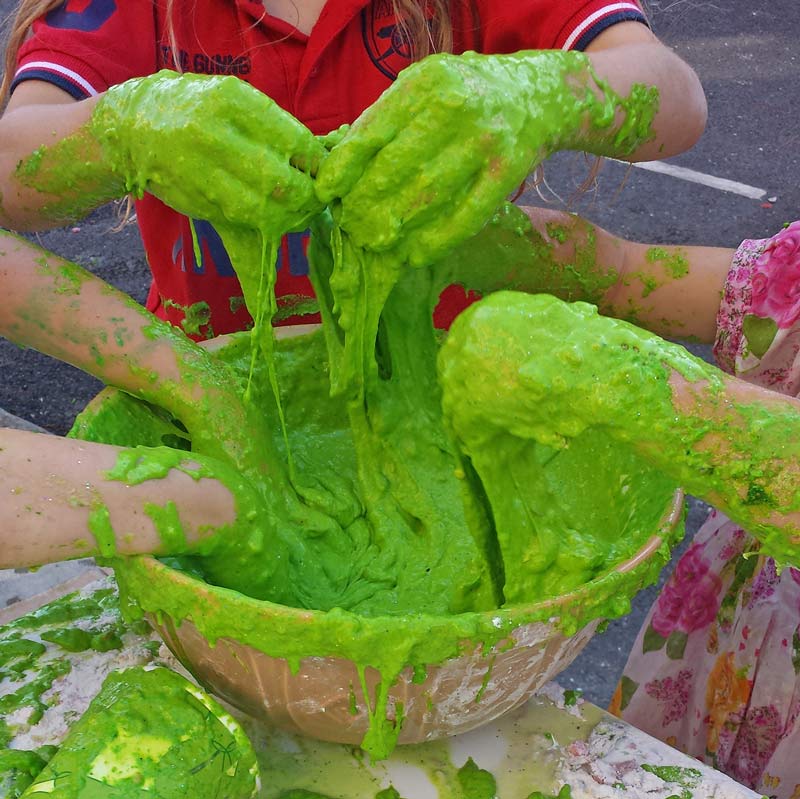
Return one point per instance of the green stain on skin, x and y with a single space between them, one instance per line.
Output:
66 278
99 524
557 232
121 336
72 176
675 266
168 525
30 166
97 355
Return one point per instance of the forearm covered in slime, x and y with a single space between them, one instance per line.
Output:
562 370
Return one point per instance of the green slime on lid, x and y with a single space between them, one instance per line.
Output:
151 733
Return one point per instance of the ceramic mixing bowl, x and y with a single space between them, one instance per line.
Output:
486 664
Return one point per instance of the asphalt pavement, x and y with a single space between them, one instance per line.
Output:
740 181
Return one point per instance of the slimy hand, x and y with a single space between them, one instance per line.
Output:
558 370
427 164
214 148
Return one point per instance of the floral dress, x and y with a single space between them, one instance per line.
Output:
715 670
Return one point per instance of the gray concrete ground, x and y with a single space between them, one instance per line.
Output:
746 56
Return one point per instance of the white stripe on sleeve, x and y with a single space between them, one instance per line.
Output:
592 18
48 66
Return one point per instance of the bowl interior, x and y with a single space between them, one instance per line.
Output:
338 675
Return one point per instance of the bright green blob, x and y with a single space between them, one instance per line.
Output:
151 733
564 793
196 318
476 783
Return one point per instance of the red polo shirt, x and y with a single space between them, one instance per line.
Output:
324 79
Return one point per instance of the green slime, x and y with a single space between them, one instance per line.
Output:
150 733
401 545
20 655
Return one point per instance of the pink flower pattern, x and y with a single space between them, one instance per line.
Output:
673 694
755 741
775 281
759 736
764 584
690 599
735 546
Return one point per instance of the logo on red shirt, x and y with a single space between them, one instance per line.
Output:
203 64
387 43
81 16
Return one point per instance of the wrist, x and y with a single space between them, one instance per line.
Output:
111 125
581 111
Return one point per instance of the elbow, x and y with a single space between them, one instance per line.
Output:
684 112
696 110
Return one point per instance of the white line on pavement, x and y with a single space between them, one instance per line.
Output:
682 173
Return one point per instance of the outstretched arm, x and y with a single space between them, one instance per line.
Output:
672 290
423 168
559 369
60 309
40 115
629 53
60 500
168 134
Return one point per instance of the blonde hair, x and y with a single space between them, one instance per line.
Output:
426 25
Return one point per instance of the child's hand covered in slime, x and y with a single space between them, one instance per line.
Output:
424 167
561 369
235 154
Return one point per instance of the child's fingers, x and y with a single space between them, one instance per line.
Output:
430 194
345 164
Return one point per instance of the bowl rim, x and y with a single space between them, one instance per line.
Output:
223 614
493 625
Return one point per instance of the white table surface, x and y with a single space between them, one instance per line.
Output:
543 745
